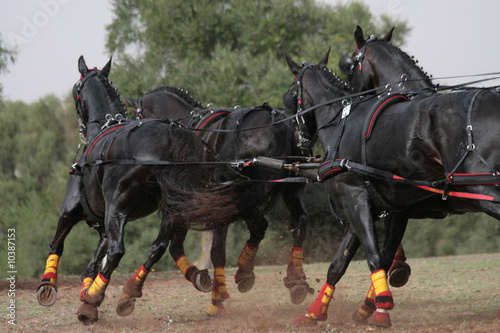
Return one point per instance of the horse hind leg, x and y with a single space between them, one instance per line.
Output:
133 287
218 255
245 277
295 279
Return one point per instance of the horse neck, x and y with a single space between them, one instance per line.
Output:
390 65
100 102
164 104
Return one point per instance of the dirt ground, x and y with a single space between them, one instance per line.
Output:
452 294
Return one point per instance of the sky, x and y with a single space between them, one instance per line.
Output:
449 38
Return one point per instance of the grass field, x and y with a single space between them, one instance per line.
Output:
444 294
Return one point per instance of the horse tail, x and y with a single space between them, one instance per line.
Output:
187 196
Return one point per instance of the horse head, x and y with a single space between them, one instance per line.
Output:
313 85
96 101
377 64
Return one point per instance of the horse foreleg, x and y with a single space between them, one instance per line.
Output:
318 310
93 295
295 279
398 271
200 279
70 214
218 255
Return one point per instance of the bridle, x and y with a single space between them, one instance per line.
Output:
79 106
348 64
306 139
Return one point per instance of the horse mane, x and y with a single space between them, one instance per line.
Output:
181 93
113 95
410 61
332 78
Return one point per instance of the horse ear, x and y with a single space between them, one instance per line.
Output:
82 66
322 63
294 67
388 36
105 70
359 38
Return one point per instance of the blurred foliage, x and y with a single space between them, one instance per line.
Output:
224 52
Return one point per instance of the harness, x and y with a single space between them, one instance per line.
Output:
336 166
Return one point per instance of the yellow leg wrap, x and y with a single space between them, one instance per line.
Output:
51 268
379 280
297 258
247 257
98 287
183 263
87 282
383 296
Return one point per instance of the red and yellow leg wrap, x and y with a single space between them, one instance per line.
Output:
295 265
246 260
185 266
98 287
219 292
87 282
50 273
368 307
319 307
400 253
383 296
140 276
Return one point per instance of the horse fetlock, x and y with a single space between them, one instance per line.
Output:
318 309
47 293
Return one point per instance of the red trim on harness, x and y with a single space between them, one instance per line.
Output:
459 194
208 119
381 106
100 136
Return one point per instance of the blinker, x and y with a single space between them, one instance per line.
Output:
346 64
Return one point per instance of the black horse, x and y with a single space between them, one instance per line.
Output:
128 170
236 134
397 156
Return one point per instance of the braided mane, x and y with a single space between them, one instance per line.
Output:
181 93
113 94
335 81
409 61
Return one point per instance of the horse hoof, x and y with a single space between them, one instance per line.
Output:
399 273
47 293
87 314
126 305
298 293
381 319
245 281
202 281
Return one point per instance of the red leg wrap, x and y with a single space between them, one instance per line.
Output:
246 260
219 292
